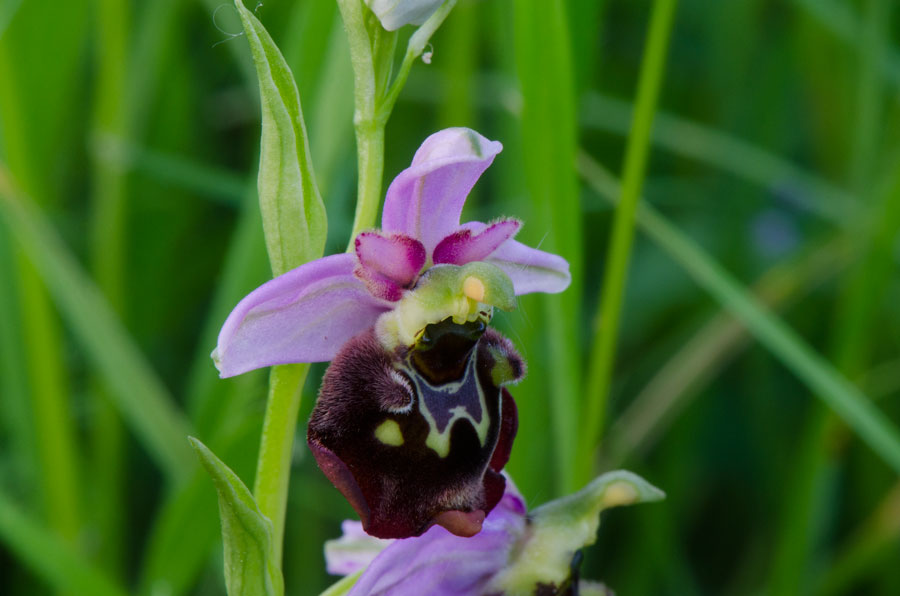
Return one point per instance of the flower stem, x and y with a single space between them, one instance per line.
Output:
417 44
276 445
373 105
370 150
369 131
604 348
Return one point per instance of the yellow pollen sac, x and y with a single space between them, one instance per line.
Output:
473 288
620 493
389 433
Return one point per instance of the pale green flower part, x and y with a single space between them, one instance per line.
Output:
516 553
393 14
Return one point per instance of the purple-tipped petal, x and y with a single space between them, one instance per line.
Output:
388 264
305 315
425 200
378 285
396 256
530 269
465 245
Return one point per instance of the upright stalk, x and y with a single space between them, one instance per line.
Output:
370 160
371 53
604 348
369 131
276 445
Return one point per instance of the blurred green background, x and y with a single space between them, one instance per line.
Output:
129 133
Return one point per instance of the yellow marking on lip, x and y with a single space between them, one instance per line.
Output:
389 433
473 288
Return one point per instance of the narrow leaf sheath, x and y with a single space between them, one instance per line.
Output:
251 567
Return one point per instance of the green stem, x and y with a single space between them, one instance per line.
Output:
370 152
369 131
604 349
276 445
372 110
414 48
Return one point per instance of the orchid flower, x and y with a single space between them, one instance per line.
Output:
413 422
394 14
516 552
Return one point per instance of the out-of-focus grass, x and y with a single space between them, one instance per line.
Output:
131 133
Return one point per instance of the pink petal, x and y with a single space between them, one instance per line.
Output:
378 285
305 315
425 200
388 264
465 245
530 269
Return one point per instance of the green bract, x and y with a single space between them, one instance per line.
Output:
293 214
250 561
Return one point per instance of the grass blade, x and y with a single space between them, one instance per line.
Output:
49 557
603 350
141 397
548 130
728 153
856 410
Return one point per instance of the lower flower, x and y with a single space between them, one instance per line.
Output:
517 553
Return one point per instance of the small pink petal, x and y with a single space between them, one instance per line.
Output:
465 246
397 256
305 315
379 285
425 200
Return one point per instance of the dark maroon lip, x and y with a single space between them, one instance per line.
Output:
408 439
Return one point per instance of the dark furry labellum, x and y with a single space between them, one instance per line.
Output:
418 436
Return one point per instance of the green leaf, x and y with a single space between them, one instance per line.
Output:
293 214
251 567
